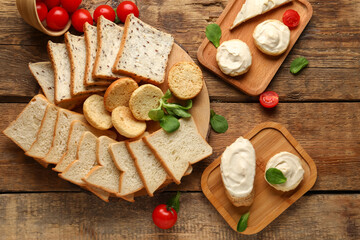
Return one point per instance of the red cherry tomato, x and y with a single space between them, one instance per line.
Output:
291 18
79 18
57 18
51 3
164 218
125 8
106 11
41 10
269 99
70 5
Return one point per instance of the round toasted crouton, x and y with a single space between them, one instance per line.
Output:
185 80
125 123
95 112
143 99
119 92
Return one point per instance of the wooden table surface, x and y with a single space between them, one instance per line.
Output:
320 107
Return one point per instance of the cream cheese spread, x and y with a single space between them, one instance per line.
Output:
238 163
252 8
290 165
233 57
272 37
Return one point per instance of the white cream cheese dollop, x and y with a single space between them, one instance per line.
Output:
290 165
234 57
272 37
238 163
252 8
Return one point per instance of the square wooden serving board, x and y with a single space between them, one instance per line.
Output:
263 67
268 139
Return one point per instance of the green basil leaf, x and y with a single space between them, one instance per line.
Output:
213 33
298 64
177 106
156 114
167 95
188 105
212 113
174 202
219 123
169 123
170 112
181 113
242 224
275 176
117 20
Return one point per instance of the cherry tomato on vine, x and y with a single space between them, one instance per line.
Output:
291 18
125 8
41 10
164 217
57 18
269 99
51 3
79 18
106 11
70 5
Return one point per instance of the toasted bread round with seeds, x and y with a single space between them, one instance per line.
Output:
185 80
95 112
119 92
125 123
143 99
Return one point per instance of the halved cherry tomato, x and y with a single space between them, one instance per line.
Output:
164 217
106 11
125 8
41 10
291 18
79 18
51 3
70 5
269 99
57 18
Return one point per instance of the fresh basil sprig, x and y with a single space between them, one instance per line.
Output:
275 176
168 113
218 123
242 224
213 33
174 202
298 64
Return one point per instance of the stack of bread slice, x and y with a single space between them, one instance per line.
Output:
94 160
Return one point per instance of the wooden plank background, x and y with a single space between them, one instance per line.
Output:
320 107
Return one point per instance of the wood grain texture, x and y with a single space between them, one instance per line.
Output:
325 130
81 215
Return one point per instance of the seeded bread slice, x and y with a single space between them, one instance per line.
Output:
23 130
77 53
130 181
90 34
77 128
151 172
62 129
45 136
178 150
44 75
148 62
109 38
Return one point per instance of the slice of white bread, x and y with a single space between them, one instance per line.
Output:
130 181
77 53
62 129
151 172
45 136
77 128
185 80
23 130
119 93
90 34
44 75
95 112
143 99
148 62
125 123
109 37
178 150
103 195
